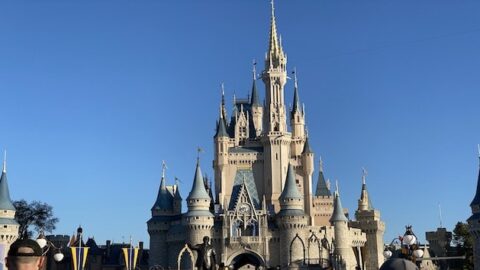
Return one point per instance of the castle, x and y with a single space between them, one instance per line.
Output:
264 211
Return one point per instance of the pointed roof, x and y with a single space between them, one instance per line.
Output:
255 100
5 200
322 187
476 199
364 197
290 190
306 147
164 197
296 98
274 45
338 214
198 188
177 195
221 129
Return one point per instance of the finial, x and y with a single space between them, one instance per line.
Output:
273 8
234 98
306 131
177 181
329 184
478 147
294 72
364 175
4 161
336 185
199 150
320 164
254 63
164 168
303 108
440 215
222 85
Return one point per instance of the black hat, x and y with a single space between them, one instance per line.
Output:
25 247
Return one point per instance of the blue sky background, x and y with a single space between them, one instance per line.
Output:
95 94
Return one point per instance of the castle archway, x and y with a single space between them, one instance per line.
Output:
246 260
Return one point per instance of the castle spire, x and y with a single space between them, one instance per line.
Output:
322 186
255 101
296 99
275 51
290 190
338 214
198 188
364 201
476 199
5 200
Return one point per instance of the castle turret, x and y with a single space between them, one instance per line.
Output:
297 116
8 225
474 222
220 162
368 220
256 106
307 161
340 224
291 220
198 219
158 225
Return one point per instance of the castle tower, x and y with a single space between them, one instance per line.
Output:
368 220
256 106
198 219
297 121
177 199
220 163
276 139
162 210
291 219
474 223
8 225
340 224
307 161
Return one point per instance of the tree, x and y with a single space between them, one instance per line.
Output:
464 242
36 214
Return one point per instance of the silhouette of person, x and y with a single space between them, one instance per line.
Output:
205 255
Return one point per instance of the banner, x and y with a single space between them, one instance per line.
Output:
79 257
130 255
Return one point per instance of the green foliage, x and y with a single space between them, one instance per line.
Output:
465 243
35 214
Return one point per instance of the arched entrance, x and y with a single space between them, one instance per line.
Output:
247 260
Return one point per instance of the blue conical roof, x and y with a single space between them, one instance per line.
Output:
5 201
221 129
198 188
322 188
255 100
338 214
306 147
164 197
290 190
296 100
476 199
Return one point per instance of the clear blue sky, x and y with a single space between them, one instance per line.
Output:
95 94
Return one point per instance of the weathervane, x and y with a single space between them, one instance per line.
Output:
164 168
364 175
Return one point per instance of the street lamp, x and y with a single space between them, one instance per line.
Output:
406 246
46 245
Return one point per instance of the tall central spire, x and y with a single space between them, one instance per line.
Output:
275 53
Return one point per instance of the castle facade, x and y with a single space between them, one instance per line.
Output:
264 211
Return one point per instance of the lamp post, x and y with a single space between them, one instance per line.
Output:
46 245
406 246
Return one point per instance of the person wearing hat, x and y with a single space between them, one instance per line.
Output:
25 254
